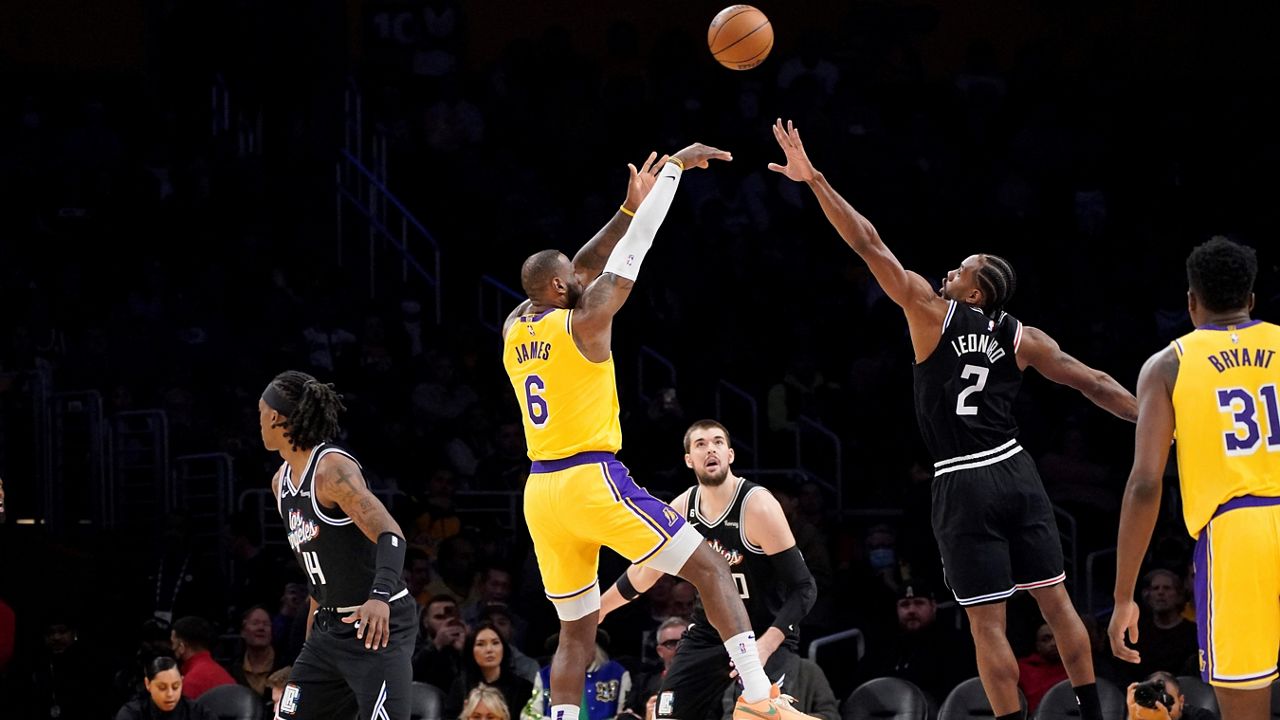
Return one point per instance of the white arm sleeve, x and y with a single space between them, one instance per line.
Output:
627 255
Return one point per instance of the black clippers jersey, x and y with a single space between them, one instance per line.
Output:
966 389
752 571
337 557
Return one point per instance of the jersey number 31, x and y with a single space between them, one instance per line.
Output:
1246 436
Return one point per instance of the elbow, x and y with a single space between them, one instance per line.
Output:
1144 487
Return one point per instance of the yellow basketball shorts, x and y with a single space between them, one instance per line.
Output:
576 505
1237 590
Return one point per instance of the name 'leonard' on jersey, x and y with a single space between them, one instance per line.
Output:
965 390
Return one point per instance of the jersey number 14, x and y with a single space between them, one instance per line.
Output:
312 562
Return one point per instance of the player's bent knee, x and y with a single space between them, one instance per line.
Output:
680 552
578 607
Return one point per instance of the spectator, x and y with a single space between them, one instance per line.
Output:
1179 710
258 659
64 679
153 642
683 598
495 589
804 684
499 614
929 654
275 683
436 520
455 569
647 683
417 574
438 658
485 661
165 698
607 684
8 624
289 624
1040 670
485 703
192 637
1166 640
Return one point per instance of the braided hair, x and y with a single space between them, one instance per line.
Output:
997 281
315 417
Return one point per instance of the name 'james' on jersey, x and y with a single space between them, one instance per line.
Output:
569 404
965 390
1226 404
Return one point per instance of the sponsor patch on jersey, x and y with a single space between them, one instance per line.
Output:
289 699
666 701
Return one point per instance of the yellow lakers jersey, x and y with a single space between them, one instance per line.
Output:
1227 414
569 404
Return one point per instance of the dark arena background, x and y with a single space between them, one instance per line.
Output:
199 195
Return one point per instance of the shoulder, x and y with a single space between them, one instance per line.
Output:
681 501
758 501
1161 366
132 710
336 466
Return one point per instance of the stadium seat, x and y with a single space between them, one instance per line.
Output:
886 698
1197 692
968 701
233 702
426 703
1060 702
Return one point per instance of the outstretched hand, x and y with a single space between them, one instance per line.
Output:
698 155
642 180
373 623
798 167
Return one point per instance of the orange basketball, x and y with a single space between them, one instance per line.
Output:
740 37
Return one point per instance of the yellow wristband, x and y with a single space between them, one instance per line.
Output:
623 209
679 163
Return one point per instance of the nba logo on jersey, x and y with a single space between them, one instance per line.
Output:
289 700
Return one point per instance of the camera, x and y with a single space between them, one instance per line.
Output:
1149 693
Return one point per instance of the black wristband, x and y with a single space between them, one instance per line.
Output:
625 588
388 575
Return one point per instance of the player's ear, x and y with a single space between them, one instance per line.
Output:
1252 299
1192 302
730 456
688 461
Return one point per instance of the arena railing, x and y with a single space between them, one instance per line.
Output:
228 119
494 301
78 489
731 404
805 427
388 220
1092 584
645 358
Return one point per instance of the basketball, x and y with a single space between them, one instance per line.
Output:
740 37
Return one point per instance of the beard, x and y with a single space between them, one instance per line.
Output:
714 478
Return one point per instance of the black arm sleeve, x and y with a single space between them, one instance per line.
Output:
389 566
802 590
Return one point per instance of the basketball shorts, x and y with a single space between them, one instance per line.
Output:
694 687
576 505
335 676
1237 591
995 527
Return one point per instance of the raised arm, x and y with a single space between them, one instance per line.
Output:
590 260
1041 352
593 316
338 481
1141 506
909 290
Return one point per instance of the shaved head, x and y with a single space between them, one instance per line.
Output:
538 276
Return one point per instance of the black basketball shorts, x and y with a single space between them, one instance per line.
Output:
995 527
336 678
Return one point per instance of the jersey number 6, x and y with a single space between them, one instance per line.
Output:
534 403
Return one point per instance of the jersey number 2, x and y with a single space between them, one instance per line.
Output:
971 371
1244 409
535 404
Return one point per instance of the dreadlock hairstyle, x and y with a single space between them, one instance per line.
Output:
310 408
1221 273
997 281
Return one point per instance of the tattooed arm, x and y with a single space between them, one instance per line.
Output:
338 482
